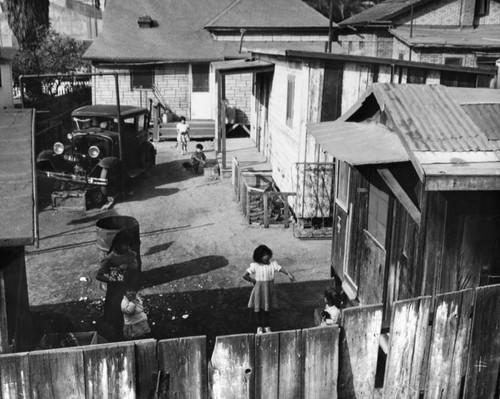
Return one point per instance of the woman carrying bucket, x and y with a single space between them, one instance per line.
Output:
119 270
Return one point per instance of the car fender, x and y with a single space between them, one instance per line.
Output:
45 156
108 162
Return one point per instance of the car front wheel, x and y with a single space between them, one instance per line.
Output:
115 180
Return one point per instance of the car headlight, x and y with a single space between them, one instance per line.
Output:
70 136
58 148
94 151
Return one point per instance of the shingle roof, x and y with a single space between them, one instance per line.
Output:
432 117
265 13
179 34
484 36
384 11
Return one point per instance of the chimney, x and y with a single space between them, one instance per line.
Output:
145 22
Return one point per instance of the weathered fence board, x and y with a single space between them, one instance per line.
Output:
484 353
321 361
408 338
449 345
14 376
185 362
291 365
359 346
231 374
110 371
266 369
57 374
146 367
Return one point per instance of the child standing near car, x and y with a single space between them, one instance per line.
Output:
183 134
263 297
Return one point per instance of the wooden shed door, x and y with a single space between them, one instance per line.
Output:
263 82
341 219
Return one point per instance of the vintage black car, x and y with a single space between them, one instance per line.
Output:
100 152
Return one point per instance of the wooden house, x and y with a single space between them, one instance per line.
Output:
306 87
163 50
418 191
18 221
450 32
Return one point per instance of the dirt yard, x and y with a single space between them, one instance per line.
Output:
195 246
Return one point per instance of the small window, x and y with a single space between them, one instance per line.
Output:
290 98
361 46
454 61
349 47
142 78
378 209
482 7
129 125
342 193
416 76
201 74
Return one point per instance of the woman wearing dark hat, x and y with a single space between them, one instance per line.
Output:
119 270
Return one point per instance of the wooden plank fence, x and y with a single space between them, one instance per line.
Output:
446 348
287 365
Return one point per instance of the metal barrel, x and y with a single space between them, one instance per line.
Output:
107 228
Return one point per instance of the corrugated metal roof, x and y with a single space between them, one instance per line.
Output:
484 36
359 143
384 11
430 118
180 34
17 213
487 117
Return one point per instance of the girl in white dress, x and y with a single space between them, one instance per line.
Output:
263 297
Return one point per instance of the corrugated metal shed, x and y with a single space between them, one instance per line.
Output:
359 143
17 203
384 11
179 33
430 118
451 133
484 36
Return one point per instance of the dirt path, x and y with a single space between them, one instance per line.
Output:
195 246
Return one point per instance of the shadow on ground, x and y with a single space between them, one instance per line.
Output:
193 267
209 312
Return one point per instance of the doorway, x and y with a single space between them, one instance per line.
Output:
201 104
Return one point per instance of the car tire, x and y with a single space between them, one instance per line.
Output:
149 159
115 180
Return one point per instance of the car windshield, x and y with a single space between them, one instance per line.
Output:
101 123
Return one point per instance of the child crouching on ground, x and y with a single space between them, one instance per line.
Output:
135 319
331 313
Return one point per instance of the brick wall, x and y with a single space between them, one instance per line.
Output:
173 82
171 79
441 12
239 95
493 17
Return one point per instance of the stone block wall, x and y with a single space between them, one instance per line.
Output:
239 95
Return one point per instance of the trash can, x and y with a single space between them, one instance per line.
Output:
107 228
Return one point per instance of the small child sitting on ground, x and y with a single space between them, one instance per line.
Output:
198 158
331 312
135 319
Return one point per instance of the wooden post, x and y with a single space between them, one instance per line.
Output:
223 124
248 204
218 107
287 212
4 341
266 212
156 124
